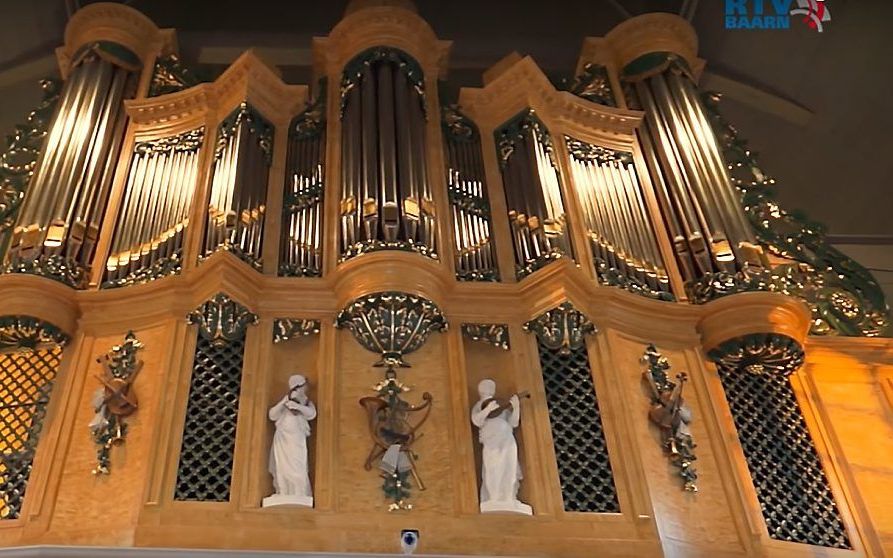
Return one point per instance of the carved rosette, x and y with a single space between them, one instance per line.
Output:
115 399
221 320
563 328
759 353
392 324
492 334
670 413
289 328
27 333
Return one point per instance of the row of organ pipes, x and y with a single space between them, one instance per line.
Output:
386 199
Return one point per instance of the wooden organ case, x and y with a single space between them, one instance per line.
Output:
608 246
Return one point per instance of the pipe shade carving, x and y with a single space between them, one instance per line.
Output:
623 242
492 334
593 84
58 225
238 204
392 324
467 190
170 75
386 200
302 207
148 240
221 320
27 333
533 193
561 329
289 328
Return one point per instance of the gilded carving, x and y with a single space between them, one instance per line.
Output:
221 320
27 333
170 75
289 328
492 334
563 328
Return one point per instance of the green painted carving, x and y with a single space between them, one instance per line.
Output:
18 161
594 85
843 296
759 353
170 76
563 328
27 333
258 126
221 319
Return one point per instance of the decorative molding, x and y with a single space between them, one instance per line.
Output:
653 32
18 161
563 328
170 75
843 296
670 413
492 334
392 323
759 353
221 320
114 400
289 328
27 333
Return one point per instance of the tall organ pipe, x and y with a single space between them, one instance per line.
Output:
57 229
702 209
147 242
237 206
466 187
386 202
621 237
533 193
300 252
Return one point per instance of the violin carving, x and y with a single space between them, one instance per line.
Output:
504 404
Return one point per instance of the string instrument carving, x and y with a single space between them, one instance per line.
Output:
503 403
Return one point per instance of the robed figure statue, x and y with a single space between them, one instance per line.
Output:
288 452
501 472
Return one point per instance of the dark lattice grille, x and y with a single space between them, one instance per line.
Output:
26 380
587 483
790 483
209 434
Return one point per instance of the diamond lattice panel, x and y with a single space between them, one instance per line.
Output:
587 483
209 434
790 483
26 379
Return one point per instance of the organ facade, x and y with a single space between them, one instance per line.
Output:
703 374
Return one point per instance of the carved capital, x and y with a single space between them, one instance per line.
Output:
221 320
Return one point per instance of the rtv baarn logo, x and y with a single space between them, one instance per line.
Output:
755 14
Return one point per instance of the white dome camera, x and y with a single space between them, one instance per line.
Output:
409 540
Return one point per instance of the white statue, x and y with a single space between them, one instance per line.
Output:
288 453
501 473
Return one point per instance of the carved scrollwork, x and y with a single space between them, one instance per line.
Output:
563 328
393 324
25 332
492 334
759 353
515 130
258 126
353 71
115 399
221 320
289 328
594 85
456 125
670 413
843 296
584 151
170 75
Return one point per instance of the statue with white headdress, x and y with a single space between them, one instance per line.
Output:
501 471
288 452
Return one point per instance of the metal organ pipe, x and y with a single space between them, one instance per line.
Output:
386 202
702 208
469 204
623 242
57 228
300 252
533 193
147 243
238 199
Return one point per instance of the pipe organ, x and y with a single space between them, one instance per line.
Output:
533 193
58 226
266 249
386 199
